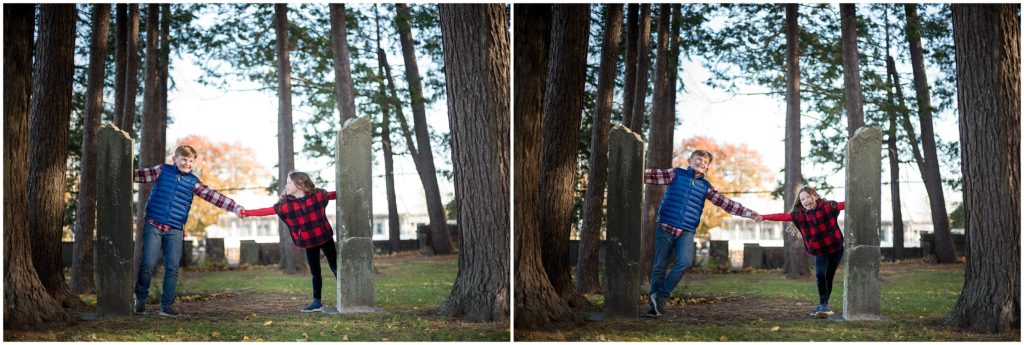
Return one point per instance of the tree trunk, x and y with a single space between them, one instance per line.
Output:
424 156
563 108
894 163
26 303
163 61
85 221
795 263
629 80
151 146
987 41
343 89
120 57
48 146
476 56
851 69
292 259
131 84
674 46
593 209
389 167
537 302
944 249
636 124
659 138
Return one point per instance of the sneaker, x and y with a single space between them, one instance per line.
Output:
824 312
313 306
169 312
140 306
653 312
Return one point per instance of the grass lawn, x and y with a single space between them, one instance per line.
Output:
262 304
765 306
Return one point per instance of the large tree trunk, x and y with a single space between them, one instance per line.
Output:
389 166
593 210
987 41
476 56
423 156
343 88
851 69
659 138
629 80
292 259
563 108
795 263
85 220
636 124
151 146
944 249
26 303
48 146
163 61
537 302
131 84
120 57
894 163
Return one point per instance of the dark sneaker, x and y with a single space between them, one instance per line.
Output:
169 312
313 307
140 306
653 312
816 310
824 312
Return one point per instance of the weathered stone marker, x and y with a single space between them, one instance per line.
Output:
114 246
625 223
753 255
720 254
354 235
215 251
862 294
248 252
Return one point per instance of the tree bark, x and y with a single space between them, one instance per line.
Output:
26 303
476 57
851 69
537 303
424 156
636 124
944 250
85 221
563 108
151 146
131 84
659 138
593 209
343 89
48 146
163 61
632 49
894 163
292 260
987 41
795 263
120 57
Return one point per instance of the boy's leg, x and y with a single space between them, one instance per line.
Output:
684 258
662 249
331 253
150 251
172 243
313 258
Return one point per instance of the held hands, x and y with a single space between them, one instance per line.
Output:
239 213
756 217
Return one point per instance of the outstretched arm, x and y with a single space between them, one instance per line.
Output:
216 198
332 195
728 205
778 217
659 176
147 175
268 211
841 205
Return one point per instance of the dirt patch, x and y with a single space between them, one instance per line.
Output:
918 265
742 308
240 304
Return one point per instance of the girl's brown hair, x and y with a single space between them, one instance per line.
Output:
301 180
799 207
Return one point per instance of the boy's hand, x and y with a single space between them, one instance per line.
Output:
239 213
756 217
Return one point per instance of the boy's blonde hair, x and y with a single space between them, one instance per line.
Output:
704 154
185 151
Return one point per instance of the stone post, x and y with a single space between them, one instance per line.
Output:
248 252
720 254
114 246
862 294
625 206
215 251
354 235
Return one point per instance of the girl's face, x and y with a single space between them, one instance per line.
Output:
808 200
290 188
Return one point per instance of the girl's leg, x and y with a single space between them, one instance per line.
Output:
313 258
331 253
821 264
833 265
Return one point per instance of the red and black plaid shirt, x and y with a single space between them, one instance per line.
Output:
306 217
819 227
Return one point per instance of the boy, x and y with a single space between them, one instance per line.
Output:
166 212
678 217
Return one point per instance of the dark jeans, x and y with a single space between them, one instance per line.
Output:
825 269
313 257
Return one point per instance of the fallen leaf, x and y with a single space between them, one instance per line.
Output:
775 329
245 338
723 338
215 334
345 338
268 323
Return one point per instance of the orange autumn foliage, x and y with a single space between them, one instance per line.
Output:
225 167
734 169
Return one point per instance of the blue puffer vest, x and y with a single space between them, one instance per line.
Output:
684 200
171 198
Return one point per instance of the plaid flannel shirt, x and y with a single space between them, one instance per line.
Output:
819 226
306 218
665 176
149 175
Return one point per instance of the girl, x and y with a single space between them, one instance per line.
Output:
816 220
302 209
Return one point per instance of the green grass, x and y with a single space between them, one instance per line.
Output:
915 298
408 289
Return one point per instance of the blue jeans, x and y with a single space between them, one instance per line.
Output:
824 270
154 242
664 245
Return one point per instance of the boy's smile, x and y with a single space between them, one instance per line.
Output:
184 164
